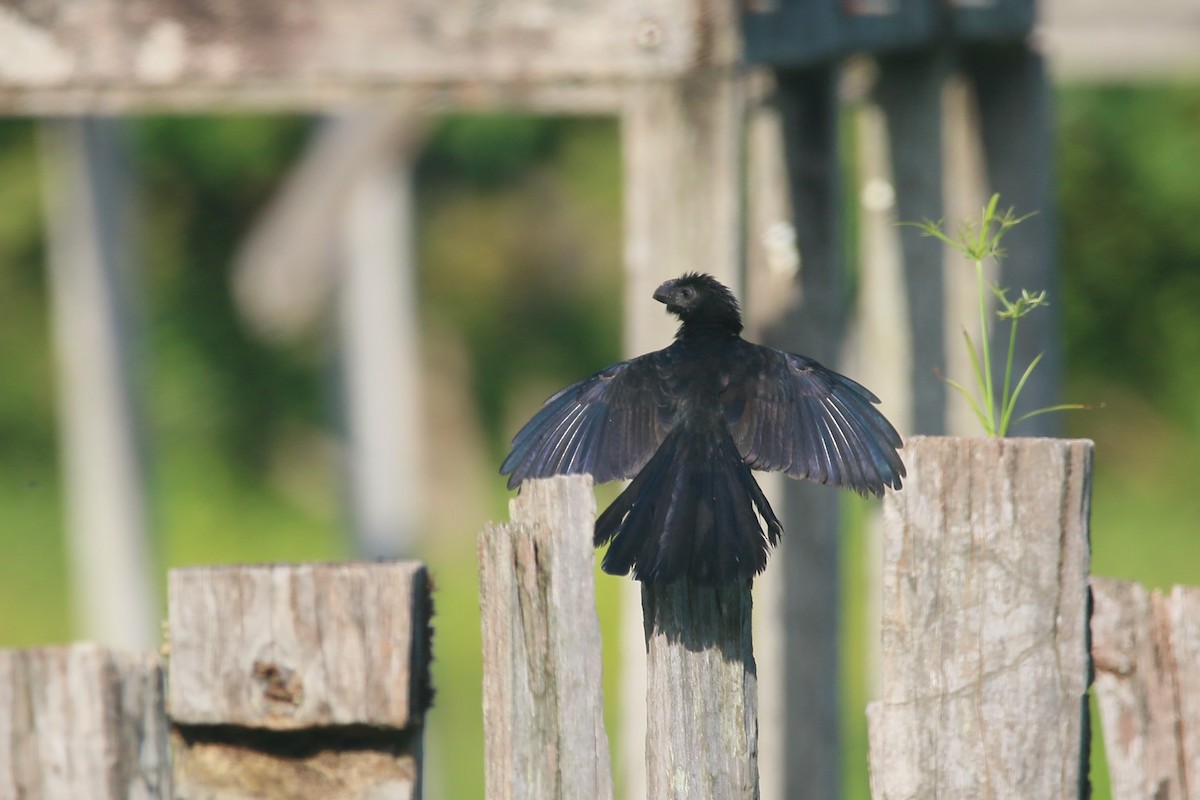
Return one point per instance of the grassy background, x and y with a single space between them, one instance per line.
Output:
520 253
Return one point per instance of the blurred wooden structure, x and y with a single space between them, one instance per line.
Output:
92 292
693 82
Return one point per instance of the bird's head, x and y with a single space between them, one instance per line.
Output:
701 301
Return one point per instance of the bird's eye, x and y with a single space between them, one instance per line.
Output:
687 292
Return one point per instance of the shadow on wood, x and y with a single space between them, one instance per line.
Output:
701 617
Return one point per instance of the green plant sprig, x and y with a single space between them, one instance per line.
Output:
978 241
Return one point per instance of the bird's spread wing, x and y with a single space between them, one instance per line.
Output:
607 425
789 414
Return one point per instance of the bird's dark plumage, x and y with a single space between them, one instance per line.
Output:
688 423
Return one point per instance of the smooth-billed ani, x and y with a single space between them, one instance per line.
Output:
688 423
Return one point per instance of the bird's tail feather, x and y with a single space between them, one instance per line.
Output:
689 512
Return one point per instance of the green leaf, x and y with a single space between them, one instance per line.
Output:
981 383
1059 407
974 406
1012 401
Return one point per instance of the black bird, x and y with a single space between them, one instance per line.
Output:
688 423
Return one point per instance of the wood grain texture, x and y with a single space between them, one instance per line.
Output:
543 707
985 615
1184 615
701 693
163 52
82 721
230 763
289 647
1146 650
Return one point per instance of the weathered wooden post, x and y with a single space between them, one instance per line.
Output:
299 681
82 721
543 708
1146 649
701 692
985 622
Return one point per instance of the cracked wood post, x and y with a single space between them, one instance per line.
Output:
543 706
82 721
299 681
701 692
985 622
1146 648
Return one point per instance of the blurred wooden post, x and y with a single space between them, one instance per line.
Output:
1146 649
543 708
82 721
300 681
353 188
809 317
702 693
1016 126
909 94
380 363
112 588
985 622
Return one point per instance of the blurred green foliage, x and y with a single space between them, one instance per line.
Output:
1131 241
520 237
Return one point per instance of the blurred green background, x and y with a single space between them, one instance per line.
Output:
519 281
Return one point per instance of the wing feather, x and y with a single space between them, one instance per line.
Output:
607 425
788 413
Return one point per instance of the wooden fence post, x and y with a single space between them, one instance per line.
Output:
82 721
985 622
1146 648
543 708
299 681
701 692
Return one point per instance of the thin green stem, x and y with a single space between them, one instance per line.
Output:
989 395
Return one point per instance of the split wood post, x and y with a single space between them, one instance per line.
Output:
543 705
299 681
701 692
82 721
1146 650
985 622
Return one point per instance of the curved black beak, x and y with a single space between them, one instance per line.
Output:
663 293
